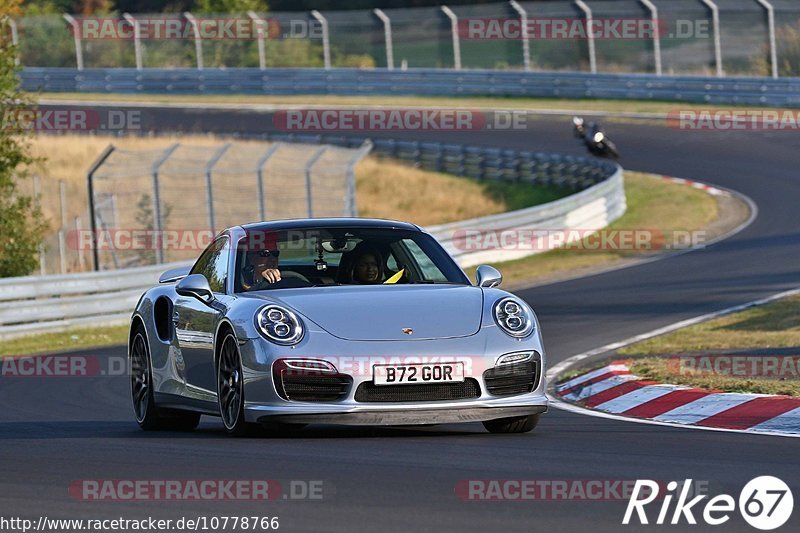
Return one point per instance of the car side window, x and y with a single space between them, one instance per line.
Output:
213 264
429 270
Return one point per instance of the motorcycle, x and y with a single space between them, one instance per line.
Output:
595 139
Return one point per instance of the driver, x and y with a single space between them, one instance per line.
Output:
261 269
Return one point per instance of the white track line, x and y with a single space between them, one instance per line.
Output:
563 365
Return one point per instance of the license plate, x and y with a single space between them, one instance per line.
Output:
418 373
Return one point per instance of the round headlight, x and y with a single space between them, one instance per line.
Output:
279 325
513 317
598 137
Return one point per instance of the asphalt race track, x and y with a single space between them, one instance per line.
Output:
58 430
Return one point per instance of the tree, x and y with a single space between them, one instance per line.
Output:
21 225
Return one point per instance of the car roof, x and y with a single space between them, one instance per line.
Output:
338 222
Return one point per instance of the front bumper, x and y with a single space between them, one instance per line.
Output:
263 404
398 417
387 414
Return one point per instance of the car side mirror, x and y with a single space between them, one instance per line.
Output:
174 274
195 285
487 276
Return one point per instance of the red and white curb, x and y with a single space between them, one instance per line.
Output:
615 390
710 189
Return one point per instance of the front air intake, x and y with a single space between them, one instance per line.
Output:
309 384
429 392
516 378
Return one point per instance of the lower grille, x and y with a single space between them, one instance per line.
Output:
314 388
369 392
517 378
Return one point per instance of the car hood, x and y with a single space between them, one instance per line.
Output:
382 313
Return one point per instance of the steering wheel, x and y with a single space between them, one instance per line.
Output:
296 275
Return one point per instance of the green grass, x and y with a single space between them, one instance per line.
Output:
633 106
72 339
660 369
653 204
775 325
521 195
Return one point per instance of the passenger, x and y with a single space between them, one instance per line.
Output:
368 265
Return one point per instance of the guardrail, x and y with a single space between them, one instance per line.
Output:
425 82
53 303
34 304
591 209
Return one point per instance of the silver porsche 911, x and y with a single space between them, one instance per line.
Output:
337 321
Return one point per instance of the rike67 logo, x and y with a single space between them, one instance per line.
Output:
765 503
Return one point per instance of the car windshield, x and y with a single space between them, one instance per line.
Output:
317 257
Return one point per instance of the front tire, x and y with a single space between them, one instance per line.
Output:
514 424
141 379
230 388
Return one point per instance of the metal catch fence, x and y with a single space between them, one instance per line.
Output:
673 37
144 202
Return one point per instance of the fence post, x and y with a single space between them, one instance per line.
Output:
309 165
137 39
157 222
37 203
656 34
589 34
526 45
90 189
456 39
350 207
78 228
262 212
717 39
76 35
387 33
198 41
773 47
62 204
209 184
326 41
262 54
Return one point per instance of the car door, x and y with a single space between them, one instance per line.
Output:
196 322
